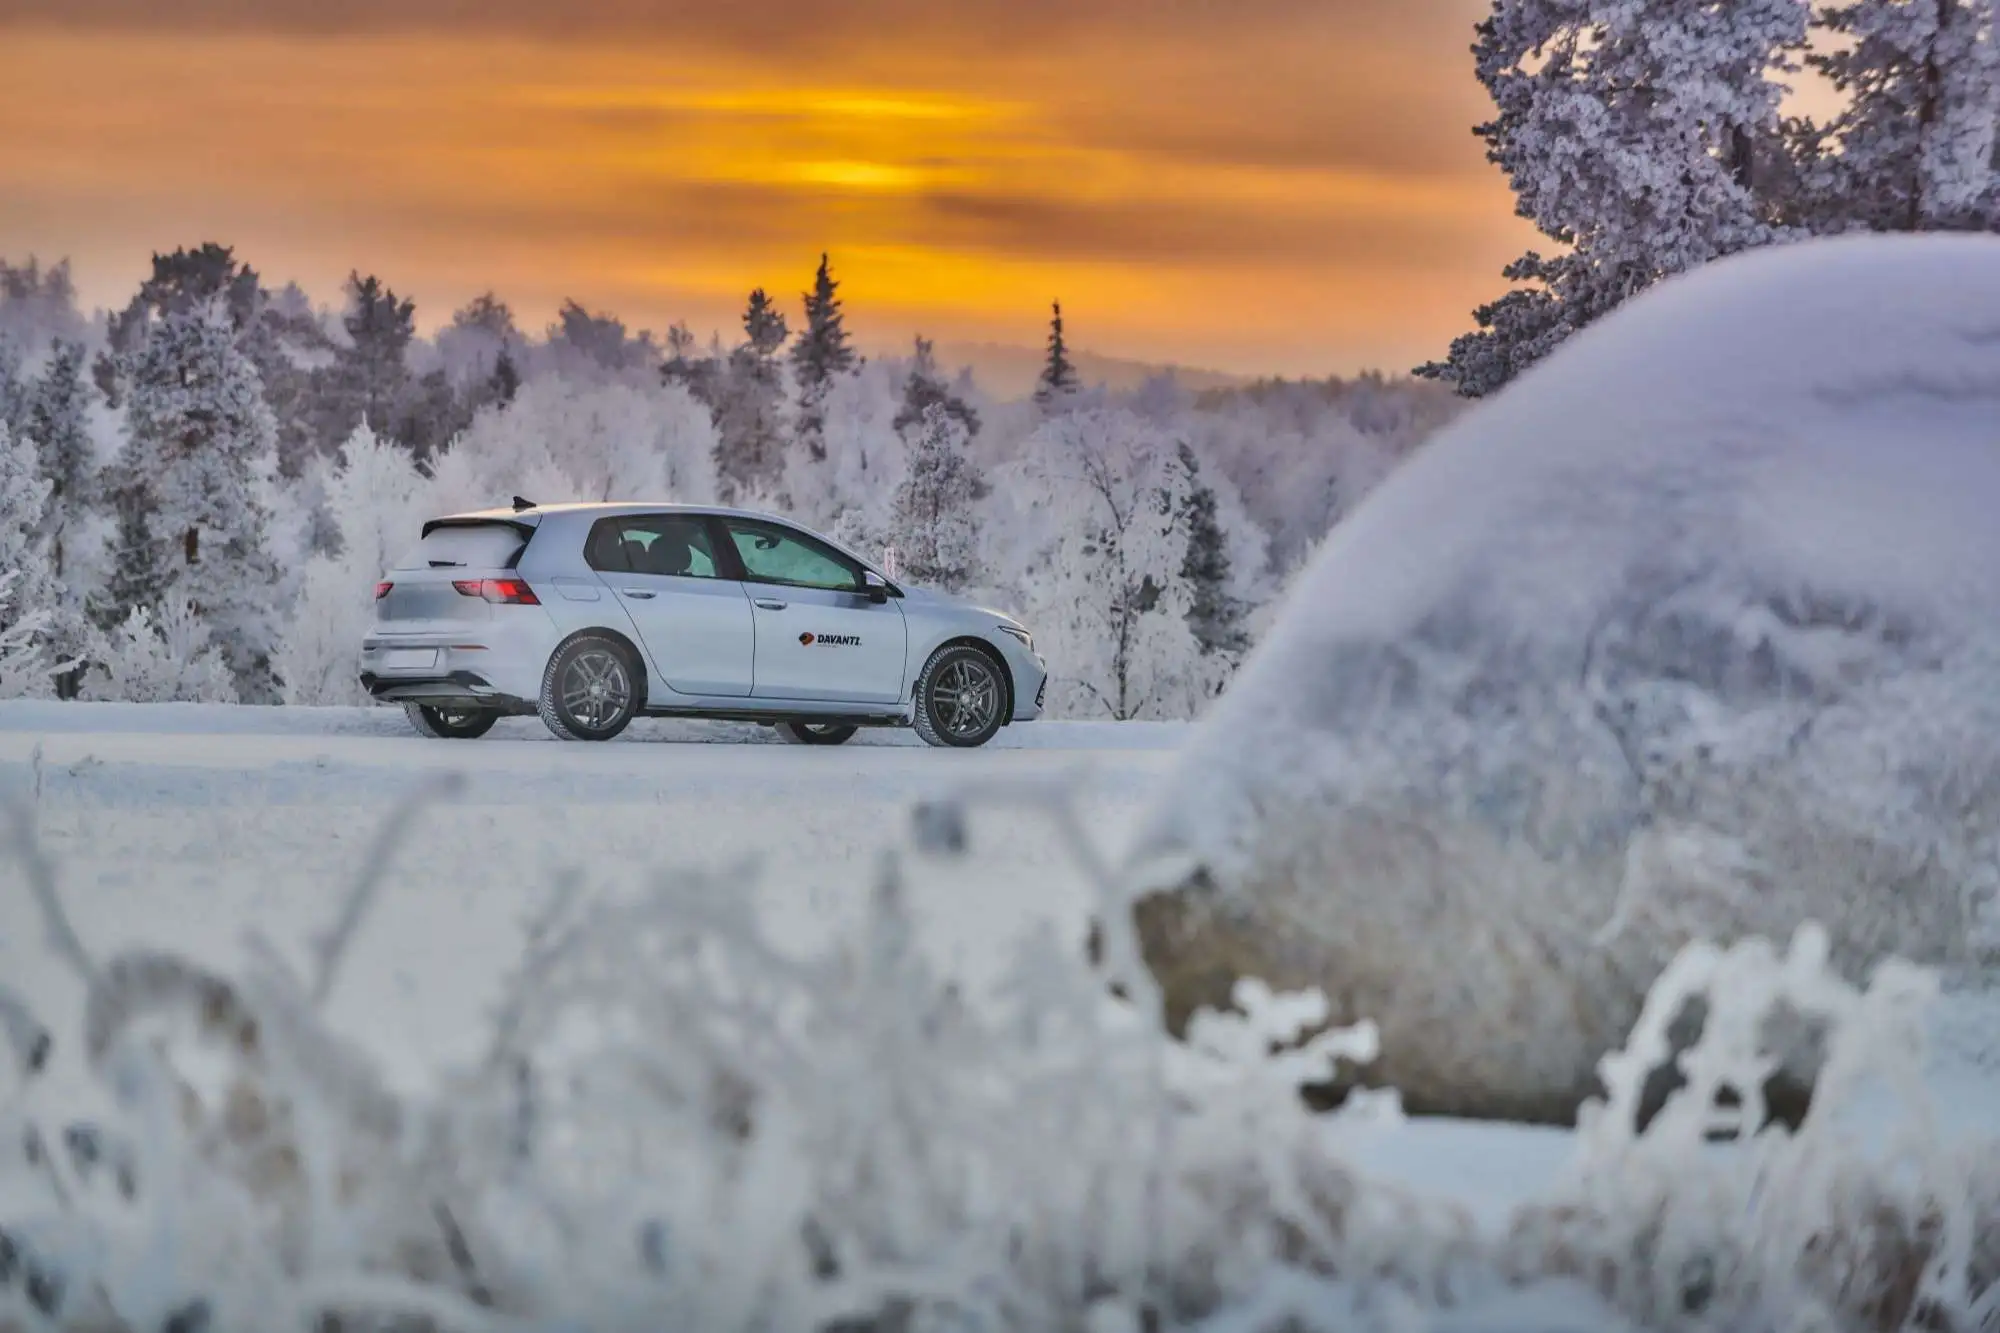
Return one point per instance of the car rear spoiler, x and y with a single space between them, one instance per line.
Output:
521 526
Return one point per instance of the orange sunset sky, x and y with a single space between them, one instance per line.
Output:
1259 186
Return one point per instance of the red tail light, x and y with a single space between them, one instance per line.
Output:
506 592
382 590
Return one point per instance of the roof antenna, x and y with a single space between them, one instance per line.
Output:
520 504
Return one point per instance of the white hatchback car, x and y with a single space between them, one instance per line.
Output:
593 614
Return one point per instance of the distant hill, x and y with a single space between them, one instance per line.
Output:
1006 370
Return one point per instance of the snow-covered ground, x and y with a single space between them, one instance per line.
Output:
189 825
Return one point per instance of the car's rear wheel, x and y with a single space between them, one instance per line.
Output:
447 723
960 698
816 733
590 691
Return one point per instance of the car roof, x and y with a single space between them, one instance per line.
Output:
607 509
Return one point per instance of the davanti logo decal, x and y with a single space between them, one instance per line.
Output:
831 640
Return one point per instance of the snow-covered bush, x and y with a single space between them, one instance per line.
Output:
26 669
1693 632
678 1124
163 657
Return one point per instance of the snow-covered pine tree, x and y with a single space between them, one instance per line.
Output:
750 449
1912 146
1058 379
924 387
13 386
820 355
200 444
28 609
1214 614
59 427
687 366
932 525
369 379
1637 135
505 381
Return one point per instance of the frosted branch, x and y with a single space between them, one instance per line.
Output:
331 949
40 873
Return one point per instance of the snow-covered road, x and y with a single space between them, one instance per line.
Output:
190 826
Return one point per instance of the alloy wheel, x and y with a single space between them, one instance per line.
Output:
596 688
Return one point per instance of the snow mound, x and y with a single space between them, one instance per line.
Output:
1692 632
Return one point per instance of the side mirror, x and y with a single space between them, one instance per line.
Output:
876 588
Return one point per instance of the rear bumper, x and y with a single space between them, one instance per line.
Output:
495 661
458 687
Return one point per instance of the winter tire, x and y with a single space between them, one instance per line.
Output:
961 698
590 691
450 724
816 733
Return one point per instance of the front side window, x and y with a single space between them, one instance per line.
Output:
772 554
672 544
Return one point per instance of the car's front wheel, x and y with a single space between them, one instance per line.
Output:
450 724
590 691
960 698
816 733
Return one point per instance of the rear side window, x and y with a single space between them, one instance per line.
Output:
673 544
481 546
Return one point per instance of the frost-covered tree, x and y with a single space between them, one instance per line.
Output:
369 380
14 395
932 526
28 613
1636 135
686 365
1058 379
481 333
925 387
750 450
187 489
1215 613
58 424
59 428
38 304
593 441
865 456
588 345
819 357
376 499
1911 147
1106 588
25 665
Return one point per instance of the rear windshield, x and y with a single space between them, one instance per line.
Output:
486 546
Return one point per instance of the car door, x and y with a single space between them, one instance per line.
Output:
819 636
694 620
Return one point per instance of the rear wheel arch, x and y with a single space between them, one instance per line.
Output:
642 685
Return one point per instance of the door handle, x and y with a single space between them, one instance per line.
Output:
770 604
639 594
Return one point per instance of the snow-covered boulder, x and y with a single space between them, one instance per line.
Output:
1694 631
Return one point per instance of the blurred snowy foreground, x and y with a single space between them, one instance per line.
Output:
307 1032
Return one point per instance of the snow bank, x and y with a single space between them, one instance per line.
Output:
1693 632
